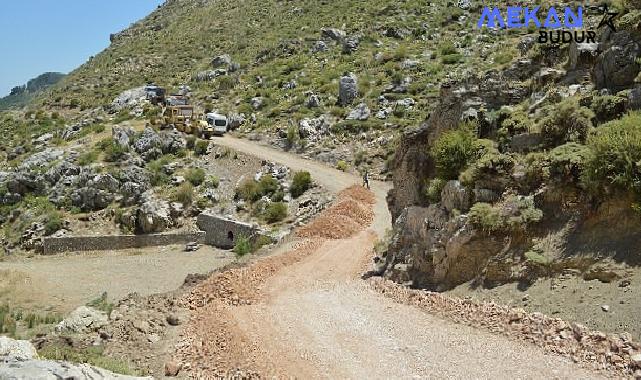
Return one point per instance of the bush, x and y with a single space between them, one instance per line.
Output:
292 135
196 176
341 165
184 194
515 213
53 223
301 182
267 185
191 142
447 48
212 182
614 161
566 121
242 246
157 174
248 190
451 59
201 147
453 151
87 158
567 161
608 107
113 151
433 190
275 212
503 57
91 355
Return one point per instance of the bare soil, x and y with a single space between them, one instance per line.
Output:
62 283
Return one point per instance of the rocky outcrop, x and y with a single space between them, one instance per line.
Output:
154 215
347 89
412 163
83 319
616 67
19 361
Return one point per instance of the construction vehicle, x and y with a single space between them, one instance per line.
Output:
179 117
155 94
213 124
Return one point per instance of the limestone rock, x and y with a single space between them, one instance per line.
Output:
18 349
83 319
347 89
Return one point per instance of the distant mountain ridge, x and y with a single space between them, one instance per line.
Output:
21 95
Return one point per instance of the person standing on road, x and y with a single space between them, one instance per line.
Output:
366 179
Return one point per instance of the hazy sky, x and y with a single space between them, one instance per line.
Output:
58 35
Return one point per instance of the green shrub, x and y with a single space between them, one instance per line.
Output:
614 161
341 165
53 222
191 142
451 59
267 185
568 161
102 303
242 246
91 355
248 190
196 176
492 166
201 147
292 135
301 182
515 213
212 182
157 174
113 151
433 190
184 194
608 107
87 157
503 57
447 48
453 151
275 212
566 121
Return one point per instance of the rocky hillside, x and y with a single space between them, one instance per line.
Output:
511 184
334 80
21 96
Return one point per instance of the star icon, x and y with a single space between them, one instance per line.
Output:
608 18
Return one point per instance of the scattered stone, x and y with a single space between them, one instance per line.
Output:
192 247
605 308
172 368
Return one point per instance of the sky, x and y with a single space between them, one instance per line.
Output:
37 36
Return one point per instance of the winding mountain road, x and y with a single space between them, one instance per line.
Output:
318 319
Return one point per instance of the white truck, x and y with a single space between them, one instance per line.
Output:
214 124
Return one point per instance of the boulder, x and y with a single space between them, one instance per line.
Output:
319 46
350 45
171 142
616 68
582 55
223 60
257 103
313 101
455 196
154 215
360 112
18 349
83 319
312 129
235 121
333 34
129 98
149 145
122 136
347 89
16 369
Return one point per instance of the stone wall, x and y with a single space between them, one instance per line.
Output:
116 242
222 232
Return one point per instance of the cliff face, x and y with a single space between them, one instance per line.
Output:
524 209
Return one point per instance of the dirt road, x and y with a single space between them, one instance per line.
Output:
316 318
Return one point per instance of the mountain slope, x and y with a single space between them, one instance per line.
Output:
21 96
